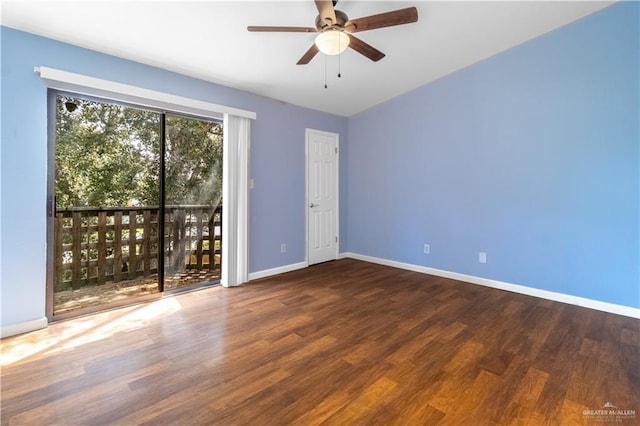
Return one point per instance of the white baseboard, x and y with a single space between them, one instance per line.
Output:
627 311
27 326
275 271
23 327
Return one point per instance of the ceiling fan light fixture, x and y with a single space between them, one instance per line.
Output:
332 42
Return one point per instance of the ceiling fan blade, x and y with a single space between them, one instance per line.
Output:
308 56
387 19
258 28
365 49
326 11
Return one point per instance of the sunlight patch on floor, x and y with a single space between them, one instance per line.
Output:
80 331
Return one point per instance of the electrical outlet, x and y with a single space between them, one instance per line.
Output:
283 248
427 248
482 257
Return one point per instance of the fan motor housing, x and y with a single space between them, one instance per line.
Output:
341 19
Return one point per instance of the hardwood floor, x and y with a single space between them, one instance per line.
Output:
344 342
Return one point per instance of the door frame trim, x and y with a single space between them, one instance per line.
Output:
307 133
51 202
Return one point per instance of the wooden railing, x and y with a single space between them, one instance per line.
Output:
113 244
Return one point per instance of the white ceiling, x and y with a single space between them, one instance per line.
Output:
209 40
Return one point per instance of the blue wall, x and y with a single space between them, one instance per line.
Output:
277 206
530 156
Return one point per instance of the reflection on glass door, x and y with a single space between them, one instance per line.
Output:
193 195
105 224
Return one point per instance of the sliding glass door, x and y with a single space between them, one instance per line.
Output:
193 193
123 174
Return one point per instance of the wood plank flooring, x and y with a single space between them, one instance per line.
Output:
341 343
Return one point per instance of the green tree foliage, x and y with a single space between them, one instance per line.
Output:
109 155
193 161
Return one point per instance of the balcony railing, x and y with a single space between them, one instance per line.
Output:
113 244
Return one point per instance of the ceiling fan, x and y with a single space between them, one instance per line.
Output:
336 30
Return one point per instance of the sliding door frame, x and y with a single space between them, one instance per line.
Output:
237 165
52 95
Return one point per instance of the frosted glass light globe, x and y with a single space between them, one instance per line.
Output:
332 42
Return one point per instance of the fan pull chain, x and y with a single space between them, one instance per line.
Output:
325 71
339 55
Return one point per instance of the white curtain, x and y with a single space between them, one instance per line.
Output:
235 200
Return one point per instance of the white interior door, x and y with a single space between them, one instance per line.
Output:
322 196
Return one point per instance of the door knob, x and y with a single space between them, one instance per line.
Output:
313 205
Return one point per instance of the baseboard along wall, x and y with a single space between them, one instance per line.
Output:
23 327
275 271
627 311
